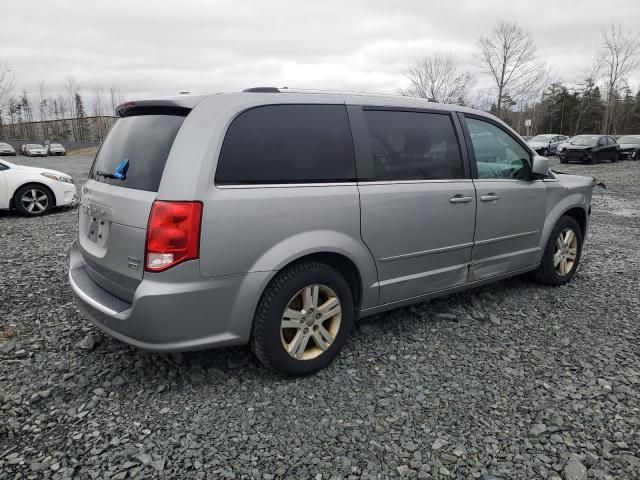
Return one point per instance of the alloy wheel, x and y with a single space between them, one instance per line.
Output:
566 251
34 200
310 322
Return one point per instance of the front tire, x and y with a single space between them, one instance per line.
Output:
33 200
562 254
303 319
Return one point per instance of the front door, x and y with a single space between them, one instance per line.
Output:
417 201
511 206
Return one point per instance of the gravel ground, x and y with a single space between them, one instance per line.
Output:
511 380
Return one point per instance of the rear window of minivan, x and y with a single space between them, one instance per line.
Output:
288 144
145 141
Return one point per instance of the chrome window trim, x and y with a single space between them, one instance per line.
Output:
241 186
409 182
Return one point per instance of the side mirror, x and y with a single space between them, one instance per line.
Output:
540 166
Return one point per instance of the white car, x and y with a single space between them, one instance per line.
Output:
34 150
33 191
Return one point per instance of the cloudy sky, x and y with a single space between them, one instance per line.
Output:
157 47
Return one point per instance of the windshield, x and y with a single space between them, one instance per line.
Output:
4 144
34 145
585 140
56 145
629 139
541 138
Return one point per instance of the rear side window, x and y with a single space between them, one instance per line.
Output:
288 144
413 146
143 140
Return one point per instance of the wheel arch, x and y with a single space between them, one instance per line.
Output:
343 264
572 206
12 201
338 249
579 215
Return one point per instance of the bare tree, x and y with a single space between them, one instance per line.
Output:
115 97
7 84
438 78
530 93
72 90
508 55
98 111
7 81
619 57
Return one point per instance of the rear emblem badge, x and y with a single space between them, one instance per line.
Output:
133 263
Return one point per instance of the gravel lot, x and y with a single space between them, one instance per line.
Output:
512 380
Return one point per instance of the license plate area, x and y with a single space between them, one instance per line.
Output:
97 222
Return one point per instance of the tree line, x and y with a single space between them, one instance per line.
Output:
525 88
63 115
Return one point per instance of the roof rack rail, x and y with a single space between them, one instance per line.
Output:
262 90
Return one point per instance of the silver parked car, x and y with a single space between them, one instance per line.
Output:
35 150
629 147
546 144
277 217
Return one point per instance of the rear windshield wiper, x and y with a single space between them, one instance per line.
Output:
119 174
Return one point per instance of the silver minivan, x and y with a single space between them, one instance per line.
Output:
277 217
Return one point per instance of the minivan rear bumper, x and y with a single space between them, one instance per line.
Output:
173 311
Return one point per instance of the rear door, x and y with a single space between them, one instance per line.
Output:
417 199
117 198
511 206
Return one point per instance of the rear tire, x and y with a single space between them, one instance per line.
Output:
303 319
561 256
33 200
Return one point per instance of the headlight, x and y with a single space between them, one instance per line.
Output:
59 178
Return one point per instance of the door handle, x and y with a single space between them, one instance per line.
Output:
460 199
490 197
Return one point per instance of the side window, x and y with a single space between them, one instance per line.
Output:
497 154
602 141
3 167
288 144
413 145
612 141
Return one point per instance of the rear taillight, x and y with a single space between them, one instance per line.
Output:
173 234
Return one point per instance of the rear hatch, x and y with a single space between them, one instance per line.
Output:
117 199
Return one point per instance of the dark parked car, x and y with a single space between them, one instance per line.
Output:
56 149
629 147
6 149
591 149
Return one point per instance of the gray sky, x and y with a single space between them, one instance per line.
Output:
157 47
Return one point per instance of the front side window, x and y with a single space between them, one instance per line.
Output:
498 154
413 145
288 144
